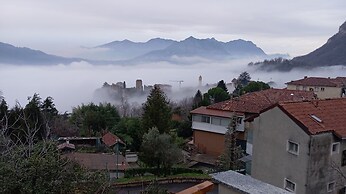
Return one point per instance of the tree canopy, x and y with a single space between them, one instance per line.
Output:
92 118
254 86
215 95
158 150
157 112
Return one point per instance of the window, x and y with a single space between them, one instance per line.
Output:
343 158
322 89
239 120
292 147
205 119
335 148
216 121
290 186
316 89
311 89
330 186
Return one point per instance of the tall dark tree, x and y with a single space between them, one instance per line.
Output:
229 160
197 99
221 84
243 79
157 112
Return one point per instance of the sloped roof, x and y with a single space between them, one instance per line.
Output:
110 139
319 116
245 184
100 161
211 112
255 102
319 81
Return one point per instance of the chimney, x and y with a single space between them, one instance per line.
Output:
328 77
305 77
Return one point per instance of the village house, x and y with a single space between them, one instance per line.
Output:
322 87
210 123
114 165
301 146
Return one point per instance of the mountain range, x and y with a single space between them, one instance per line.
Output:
128 52
332 53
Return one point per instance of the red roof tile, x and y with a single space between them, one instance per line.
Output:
255 102
319 81
319 116
101 161
110 139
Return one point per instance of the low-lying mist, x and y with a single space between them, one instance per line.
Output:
71 85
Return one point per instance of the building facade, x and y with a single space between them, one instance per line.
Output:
210 123
300 146
322 87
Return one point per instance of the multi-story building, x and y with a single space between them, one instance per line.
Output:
210 123
322 87
301 146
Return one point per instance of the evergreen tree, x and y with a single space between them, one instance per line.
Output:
229 160
157 112
197 99
221 84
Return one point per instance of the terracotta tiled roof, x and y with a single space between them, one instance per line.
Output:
255 102
100 161
340 81
212 112
319 81
110 139
319 116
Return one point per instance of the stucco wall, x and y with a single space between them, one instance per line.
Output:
320 171
329 92
271 162
209 143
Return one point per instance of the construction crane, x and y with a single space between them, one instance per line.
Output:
179 81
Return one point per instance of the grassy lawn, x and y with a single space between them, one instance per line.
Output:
152 177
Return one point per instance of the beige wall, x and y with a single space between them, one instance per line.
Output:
225 190
271 162
329 92
209 143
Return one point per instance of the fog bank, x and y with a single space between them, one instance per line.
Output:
71 85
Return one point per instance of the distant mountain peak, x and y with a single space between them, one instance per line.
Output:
342 28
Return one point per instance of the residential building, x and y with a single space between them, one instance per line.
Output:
322 87
231 182
113 164
210 123
301 146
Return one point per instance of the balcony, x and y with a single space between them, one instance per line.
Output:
209 127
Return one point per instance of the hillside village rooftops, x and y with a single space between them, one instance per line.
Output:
318 116
98 161
254 102
319 81
110 139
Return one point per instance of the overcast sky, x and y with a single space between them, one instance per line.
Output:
277 26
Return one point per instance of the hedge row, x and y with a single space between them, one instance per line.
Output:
172 171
